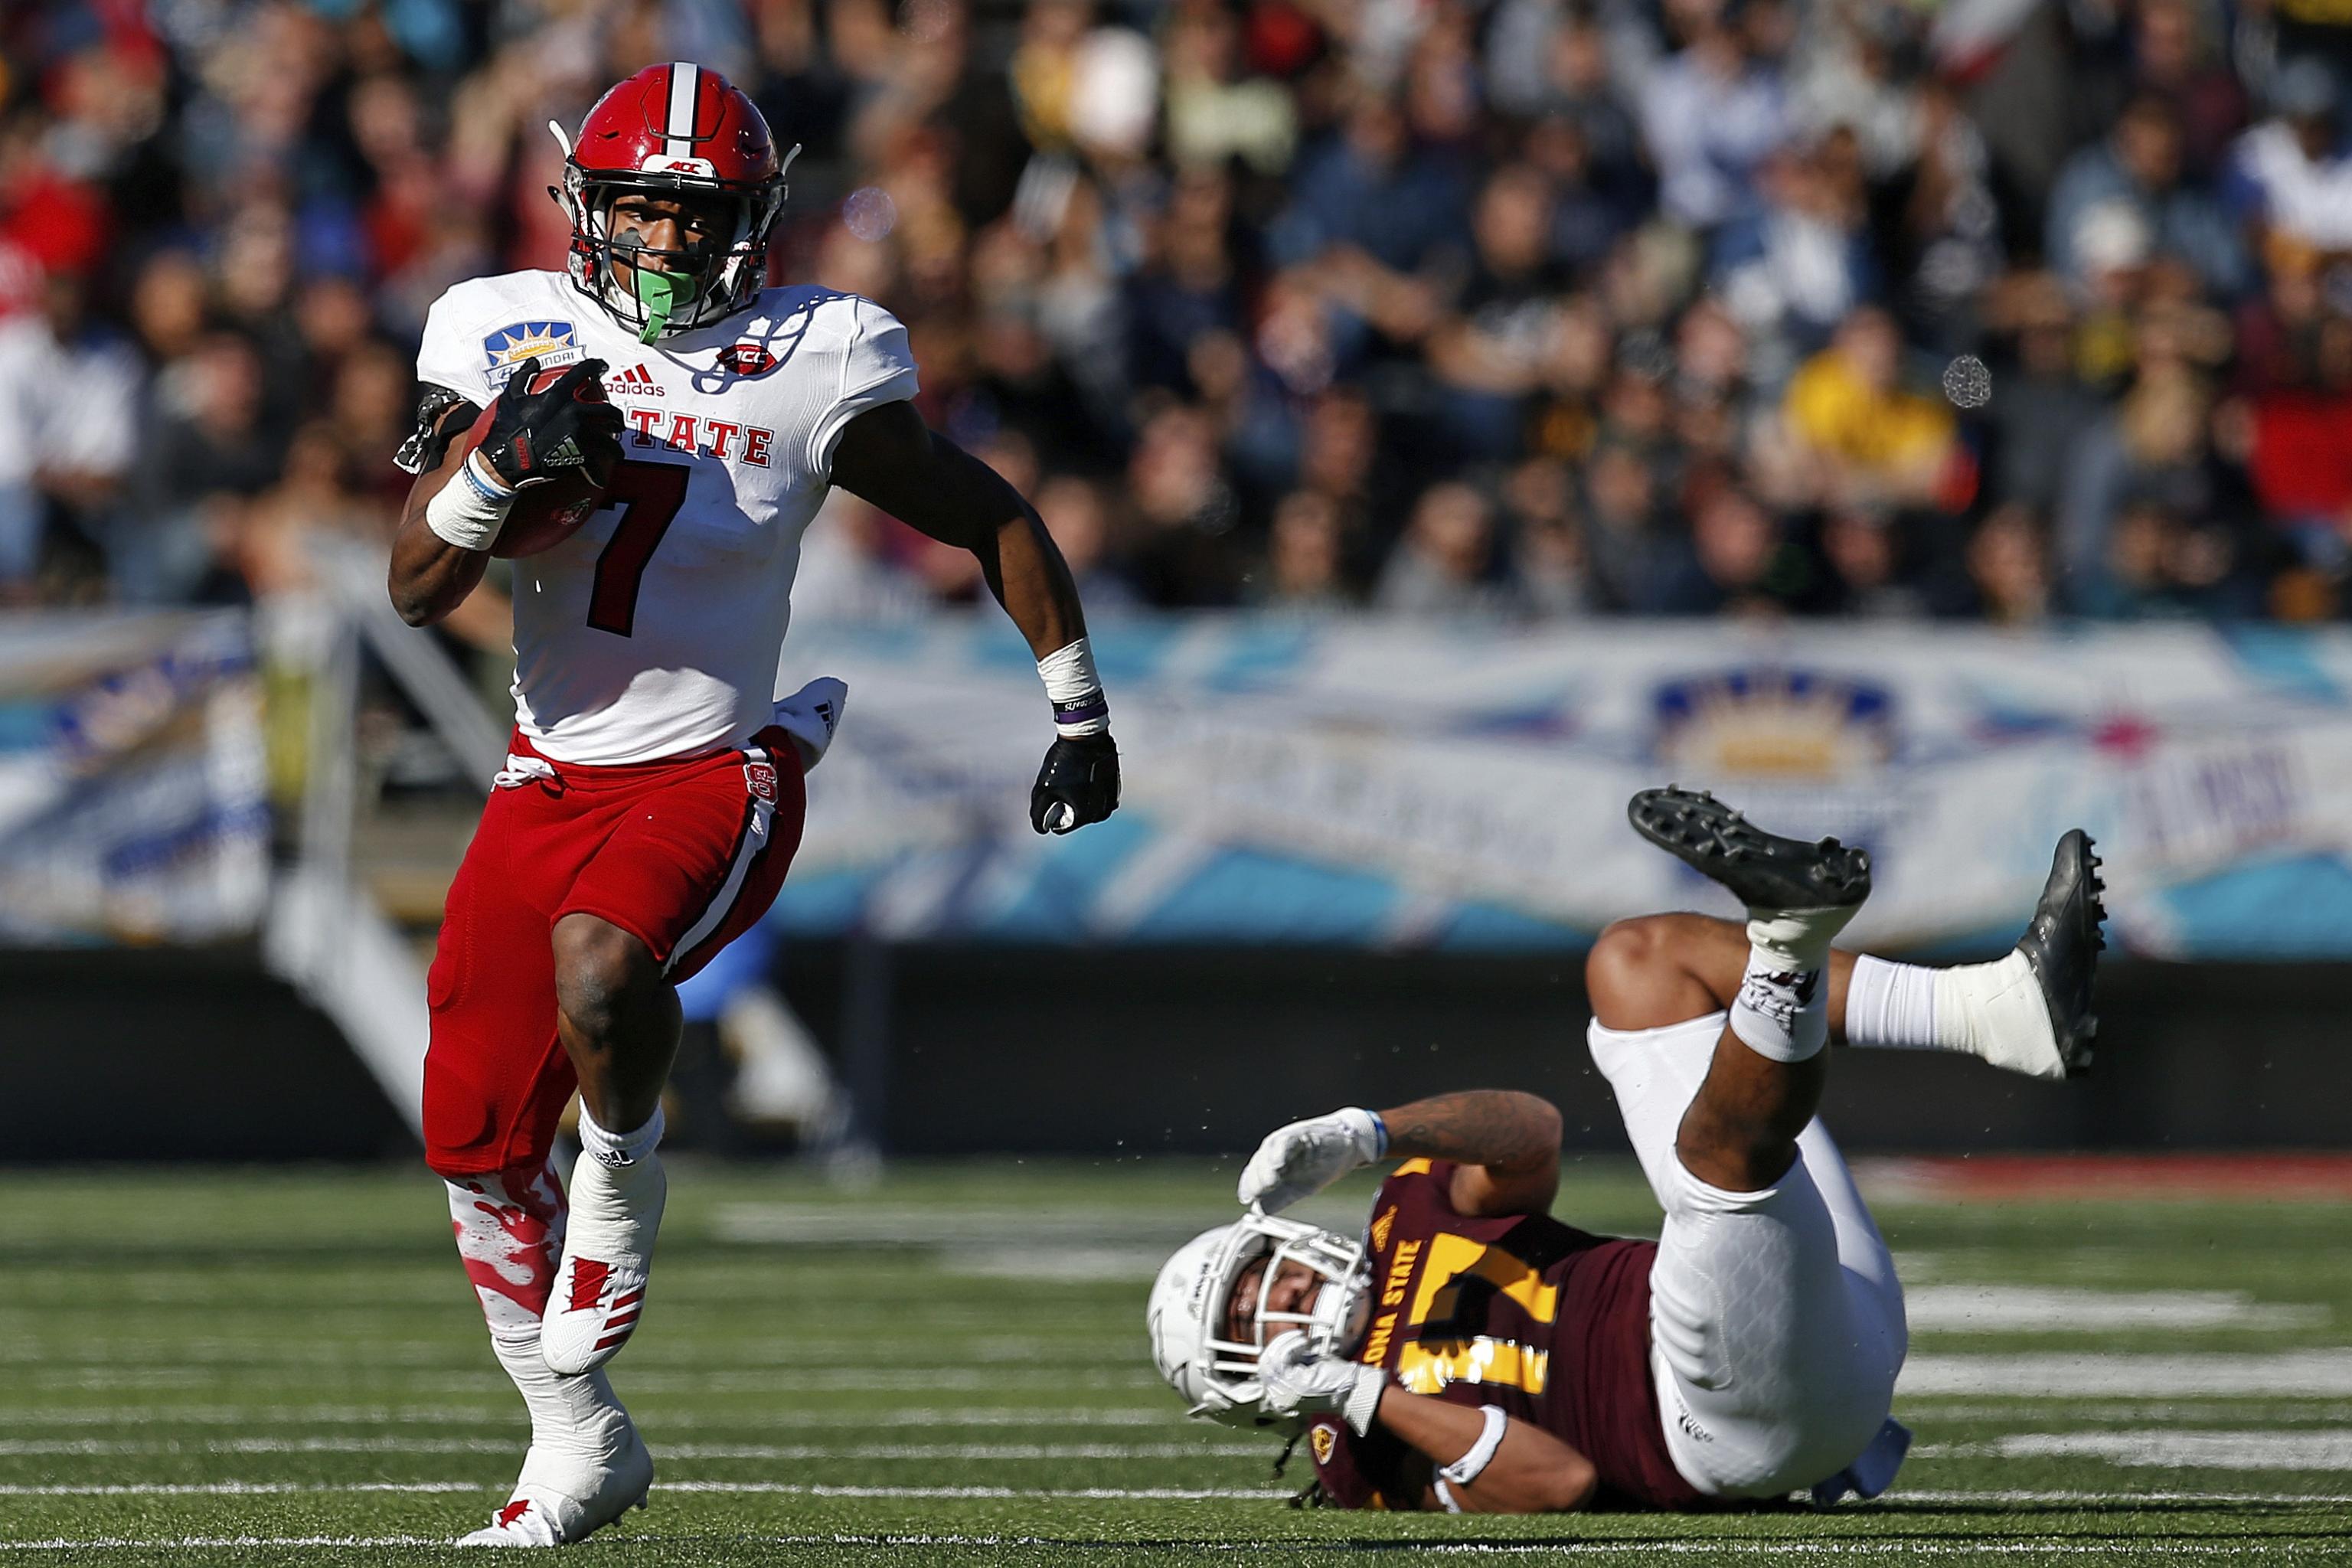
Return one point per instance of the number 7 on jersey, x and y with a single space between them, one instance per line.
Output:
649 496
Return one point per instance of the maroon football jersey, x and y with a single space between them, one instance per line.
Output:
1519 1311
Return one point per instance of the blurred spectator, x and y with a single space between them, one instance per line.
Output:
1548 553
68 401
2175 54
1802 261
1488 354
1446 564
2043 409
1735 547
1864 551
1717 109
1302 573
1075 514
1861 435
2151 450
2290 174
2139 165
213 443
2009 562
1368 195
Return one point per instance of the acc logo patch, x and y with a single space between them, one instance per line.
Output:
759 778
746 358
1322 1441
553 341
1380 1229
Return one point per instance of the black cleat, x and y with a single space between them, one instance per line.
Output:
2063 945
1762 870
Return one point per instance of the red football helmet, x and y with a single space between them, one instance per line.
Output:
673 131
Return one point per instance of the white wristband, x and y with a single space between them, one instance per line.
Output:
470 508
1445 1496
1471 1465
1075 690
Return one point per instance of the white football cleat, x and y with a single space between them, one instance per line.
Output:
811 715
562 1499
608 1256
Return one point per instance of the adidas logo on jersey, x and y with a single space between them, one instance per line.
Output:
635 382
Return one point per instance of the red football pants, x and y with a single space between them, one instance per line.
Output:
683 856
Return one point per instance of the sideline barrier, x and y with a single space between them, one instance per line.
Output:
1394 785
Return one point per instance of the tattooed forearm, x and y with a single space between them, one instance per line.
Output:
1495 1127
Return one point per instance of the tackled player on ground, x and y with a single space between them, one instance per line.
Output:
654 795
1472 1353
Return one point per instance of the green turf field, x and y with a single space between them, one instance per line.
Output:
948 1367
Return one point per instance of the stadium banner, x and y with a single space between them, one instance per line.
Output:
133 793
1404 784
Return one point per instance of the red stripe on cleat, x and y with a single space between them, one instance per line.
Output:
588 1278
609 1341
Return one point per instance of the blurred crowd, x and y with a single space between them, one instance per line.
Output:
1512 309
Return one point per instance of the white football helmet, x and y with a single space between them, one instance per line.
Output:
1186 1315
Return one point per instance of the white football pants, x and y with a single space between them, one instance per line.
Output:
1776 1320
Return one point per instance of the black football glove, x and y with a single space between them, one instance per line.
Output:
1078 784
536 437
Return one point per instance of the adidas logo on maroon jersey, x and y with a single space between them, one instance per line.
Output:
635 382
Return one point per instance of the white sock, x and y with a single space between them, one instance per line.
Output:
576 1415
1974 1008
1780 1013
1892 1006
618 1149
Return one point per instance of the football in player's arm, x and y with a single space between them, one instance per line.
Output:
1505 1146
888 455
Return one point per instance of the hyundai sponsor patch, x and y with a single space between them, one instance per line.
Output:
551 342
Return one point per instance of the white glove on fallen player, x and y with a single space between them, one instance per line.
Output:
1297 1382
811 715
1302 1159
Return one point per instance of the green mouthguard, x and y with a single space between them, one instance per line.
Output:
661 293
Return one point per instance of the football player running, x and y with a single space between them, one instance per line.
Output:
654 795
1474 1355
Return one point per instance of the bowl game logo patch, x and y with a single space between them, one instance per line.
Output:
553 342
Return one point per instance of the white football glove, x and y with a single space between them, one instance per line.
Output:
1302 1159
1297 1382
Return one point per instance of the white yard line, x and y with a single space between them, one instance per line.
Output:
730 1488
17 1447
2071 1374
1076 1419
2041 1310
811 1380
2168 1449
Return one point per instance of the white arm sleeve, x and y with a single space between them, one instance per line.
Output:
450 354
877 367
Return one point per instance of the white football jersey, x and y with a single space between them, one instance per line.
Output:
654 631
